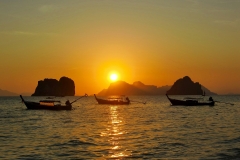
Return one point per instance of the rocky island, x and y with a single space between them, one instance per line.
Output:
52 87
185 86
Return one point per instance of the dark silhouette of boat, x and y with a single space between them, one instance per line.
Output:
47 104
113 101
191 102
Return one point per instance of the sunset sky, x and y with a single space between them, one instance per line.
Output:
152 41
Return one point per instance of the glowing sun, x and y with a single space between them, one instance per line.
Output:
113 77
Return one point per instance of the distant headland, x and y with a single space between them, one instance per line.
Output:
183 86
52 87
7 93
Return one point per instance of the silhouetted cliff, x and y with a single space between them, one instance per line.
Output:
185 86
52 87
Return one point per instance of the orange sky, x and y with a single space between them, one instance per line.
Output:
156 42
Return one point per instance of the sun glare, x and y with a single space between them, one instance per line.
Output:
113 77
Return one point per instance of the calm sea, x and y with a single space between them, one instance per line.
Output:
154 130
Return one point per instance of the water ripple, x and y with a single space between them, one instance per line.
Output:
91 131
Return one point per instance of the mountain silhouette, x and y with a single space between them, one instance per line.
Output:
137 88
7 93
151 89
122 88
183 86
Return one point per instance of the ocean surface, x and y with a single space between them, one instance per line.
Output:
155 130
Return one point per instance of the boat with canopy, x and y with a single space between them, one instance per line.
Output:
49 104
114 100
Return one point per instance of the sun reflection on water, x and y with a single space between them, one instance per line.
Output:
116 135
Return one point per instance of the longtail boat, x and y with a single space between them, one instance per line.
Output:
49 104
113 101
190 102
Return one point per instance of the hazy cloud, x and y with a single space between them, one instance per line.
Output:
228 23
23 33
47 8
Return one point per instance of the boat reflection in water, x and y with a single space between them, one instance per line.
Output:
115 135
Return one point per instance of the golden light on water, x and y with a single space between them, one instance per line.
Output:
115 133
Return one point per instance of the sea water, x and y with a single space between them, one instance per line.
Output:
155 130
